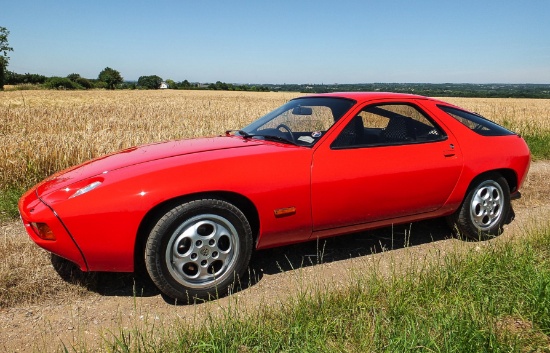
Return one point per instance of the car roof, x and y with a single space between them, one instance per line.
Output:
366 96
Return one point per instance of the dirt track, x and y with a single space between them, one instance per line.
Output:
86 321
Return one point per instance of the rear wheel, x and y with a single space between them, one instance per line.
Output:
198 250
484 211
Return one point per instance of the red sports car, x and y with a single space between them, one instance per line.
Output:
192 211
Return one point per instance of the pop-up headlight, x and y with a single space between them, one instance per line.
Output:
86 189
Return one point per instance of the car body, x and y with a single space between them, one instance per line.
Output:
192 211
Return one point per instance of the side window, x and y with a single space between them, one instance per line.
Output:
476 123
388 124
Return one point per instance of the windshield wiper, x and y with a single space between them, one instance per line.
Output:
240 132
246 135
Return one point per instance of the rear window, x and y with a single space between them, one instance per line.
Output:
476 123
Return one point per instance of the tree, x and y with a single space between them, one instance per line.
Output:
13 78
61 83
222 86
73 77
111 77
76 78
171 84
85 83
149 82
4 58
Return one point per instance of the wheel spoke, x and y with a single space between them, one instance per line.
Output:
222 256
203 251
486 205
203 271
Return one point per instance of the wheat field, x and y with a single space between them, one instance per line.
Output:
46 131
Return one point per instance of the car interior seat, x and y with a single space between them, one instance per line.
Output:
396 130
352 134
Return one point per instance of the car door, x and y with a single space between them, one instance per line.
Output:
388 161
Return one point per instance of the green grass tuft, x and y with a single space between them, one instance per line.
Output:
8 202
539 145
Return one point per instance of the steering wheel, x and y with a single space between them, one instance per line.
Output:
284 126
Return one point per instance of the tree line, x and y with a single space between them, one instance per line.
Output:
109 78
481 90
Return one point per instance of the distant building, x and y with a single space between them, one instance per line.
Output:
163 85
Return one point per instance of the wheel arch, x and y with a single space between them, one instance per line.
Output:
153 215
461 222
508 174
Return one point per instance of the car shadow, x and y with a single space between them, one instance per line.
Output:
105 283
322 251
272 261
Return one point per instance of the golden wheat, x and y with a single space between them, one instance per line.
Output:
45 131
42 132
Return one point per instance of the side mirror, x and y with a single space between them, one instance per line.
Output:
302 111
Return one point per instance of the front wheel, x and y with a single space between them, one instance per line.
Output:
484 211
198 249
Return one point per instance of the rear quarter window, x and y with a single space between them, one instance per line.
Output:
476 123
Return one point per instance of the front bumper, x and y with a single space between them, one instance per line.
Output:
33 210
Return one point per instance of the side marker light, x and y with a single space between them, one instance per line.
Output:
43 231
284 212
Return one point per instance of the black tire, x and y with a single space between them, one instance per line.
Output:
484 211
198 250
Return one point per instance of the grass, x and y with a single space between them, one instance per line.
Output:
492 297
26 273
538 144
495 299
9 197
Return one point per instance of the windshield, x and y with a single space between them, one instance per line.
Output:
301 121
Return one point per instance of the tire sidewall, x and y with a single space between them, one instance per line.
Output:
463 219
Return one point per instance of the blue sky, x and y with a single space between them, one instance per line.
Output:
481 41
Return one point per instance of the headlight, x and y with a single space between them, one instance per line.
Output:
85 189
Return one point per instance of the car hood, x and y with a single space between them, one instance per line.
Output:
138 155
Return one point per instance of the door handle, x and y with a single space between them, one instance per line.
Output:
449 153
